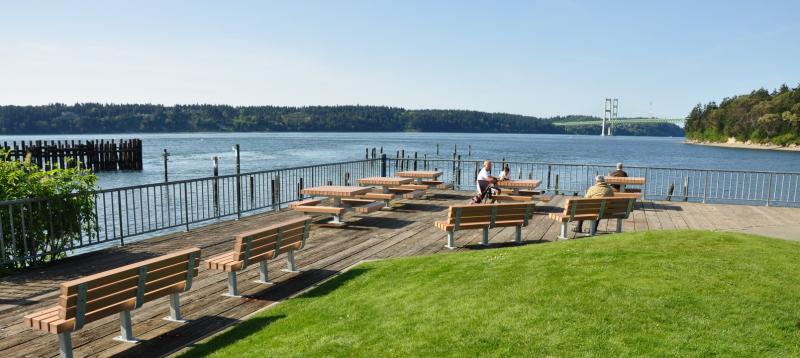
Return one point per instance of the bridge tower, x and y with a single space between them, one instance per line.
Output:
610 114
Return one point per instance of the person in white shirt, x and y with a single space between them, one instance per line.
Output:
484 175
505 174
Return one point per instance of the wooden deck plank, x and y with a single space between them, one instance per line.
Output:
405 231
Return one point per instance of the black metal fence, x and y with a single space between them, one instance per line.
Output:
131 213
685 184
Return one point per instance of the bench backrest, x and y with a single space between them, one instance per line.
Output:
603 208
125 288
491 213
269 242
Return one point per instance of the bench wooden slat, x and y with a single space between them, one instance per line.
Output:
368 208
102 278
307 202
412 186
104 292
377 196
320 209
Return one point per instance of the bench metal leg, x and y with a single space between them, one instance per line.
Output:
125 328
518 234
563 233
337 220
65 345
175 309
451 241
263 275
290 266
619 225
233 291
485 240
593 227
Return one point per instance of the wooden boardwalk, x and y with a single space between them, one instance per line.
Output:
407 230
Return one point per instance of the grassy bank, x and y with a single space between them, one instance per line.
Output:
650 293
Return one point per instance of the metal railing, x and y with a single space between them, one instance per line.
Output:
686 184
135 212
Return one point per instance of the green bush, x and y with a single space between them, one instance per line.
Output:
53 209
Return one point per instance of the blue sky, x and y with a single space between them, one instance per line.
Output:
537 58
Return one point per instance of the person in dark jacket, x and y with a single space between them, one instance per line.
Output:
617 173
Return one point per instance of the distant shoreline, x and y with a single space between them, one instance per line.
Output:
740 145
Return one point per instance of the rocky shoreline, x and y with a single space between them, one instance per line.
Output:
733 143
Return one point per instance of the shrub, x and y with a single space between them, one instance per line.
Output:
45 212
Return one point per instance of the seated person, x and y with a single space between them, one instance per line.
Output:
488 193
484 175
505 174
617 173
600 189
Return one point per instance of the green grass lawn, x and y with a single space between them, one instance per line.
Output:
649 293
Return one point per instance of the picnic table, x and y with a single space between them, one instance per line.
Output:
623 181
343 197
516 185
386 183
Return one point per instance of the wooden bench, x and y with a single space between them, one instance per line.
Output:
408 192
378 195
260 245
120 290
512 198
312 206
363 206
437 184
414 186
594 210
485 217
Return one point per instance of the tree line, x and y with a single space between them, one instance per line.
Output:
759 117
152 118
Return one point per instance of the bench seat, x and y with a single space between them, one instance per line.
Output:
307 202
485 217
370 207
377 196
319 209
594 210
502 198
437 184
408 193
117 291
260 245
412 186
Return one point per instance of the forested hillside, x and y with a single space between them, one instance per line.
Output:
150 118
759 117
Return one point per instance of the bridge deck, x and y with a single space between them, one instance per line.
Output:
408 230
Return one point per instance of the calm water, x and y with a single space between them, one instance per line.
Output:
191 153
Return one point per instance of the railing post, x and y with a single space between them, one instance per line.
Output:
119 209
383 164
215 189
705 187
252 191
646 180
769 188
186 205
238 184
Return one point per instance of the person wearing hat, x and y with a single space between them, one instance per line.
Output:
600 189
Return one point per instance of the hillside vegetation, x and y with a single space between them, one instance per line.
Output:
150 118
759 117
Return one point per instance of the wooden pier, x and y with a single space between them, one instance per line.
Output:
97 155
407 230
